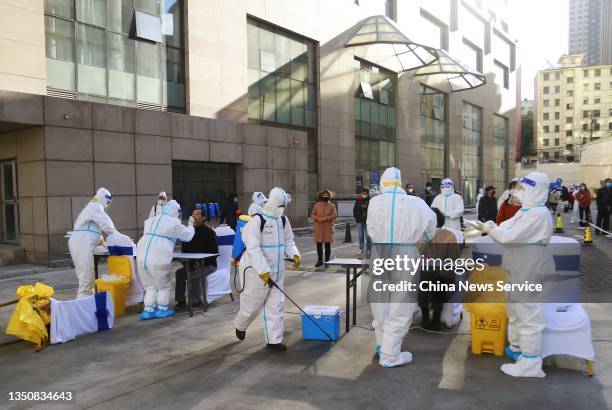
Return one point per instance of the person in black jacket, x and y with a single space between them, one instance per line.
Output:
429 194
204 241
487 208
230 211
360 213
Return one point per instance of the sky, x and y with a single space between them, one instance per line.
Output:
541 28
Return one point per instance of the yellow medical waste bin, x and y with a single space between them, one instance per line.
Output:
117 281
489 326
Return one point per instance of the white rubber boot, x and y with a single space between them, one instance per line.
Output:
401 359
524 367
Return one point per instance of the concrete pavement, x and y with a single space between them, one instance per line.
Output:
197 362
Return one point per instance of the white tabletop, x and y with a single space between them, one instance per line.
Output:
348 262
194 256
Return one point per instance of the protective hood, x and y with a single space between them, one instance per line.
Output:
277 201
447 187
259 198
391 180
535 186
172 209
103 197
163 195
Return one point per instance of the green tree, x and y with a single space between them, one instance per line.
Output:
527 145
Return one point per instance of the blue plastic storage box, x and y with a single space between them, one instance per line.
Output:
327 317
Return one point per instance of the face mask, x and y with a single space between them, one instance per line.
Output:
161 201
448 190
582 188
428 188
519 194
411 190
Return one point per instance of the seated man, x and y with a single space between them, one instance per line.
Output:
204 241
446 243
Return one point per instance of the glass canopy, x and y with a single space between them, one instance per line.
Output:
448 73
379 41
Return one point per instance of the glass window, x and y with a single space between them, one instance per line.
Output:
500 151
148 26
281 76
471 162
120 15
91 12
546 76
171 22
59 48
433 127
63 8
93 53
91 60
149 6
174 85
121 67
148 79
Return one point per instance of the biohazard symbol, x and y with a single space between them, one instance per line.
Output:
481 323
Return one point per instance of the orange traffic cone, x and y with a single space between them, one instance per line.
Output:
588 235
559 224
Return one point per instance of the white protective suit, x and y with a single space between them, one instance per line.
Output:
155 251
157 208
525 237
88 228
396 222
259 199
450 204
266 252
481 193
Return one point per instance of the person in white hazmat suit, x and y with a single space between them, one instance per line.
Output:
154 254
450 204
396 222
525 258
156 209
86 235
259 199
481 193
266 250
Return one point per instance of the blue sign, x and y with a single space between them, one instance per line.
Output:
375 178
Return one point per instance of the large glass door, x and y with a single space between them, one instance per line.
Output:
10 214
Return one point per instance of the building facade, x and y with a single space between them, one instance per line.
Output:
202 98
573 106
590 30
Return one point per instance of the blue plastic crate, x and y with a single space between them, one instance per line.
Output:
327 317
